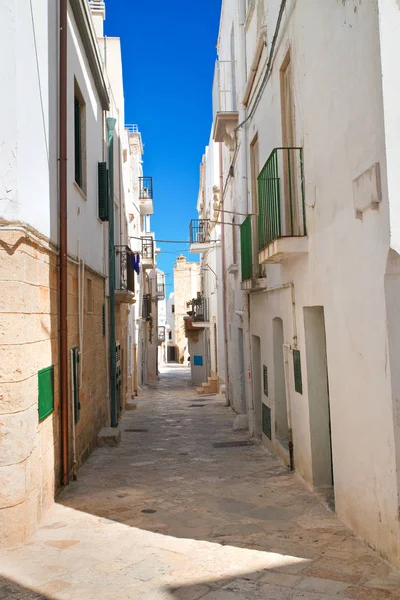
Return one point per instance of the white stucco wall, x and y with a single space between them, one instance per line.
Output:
85 230
28 138
341 119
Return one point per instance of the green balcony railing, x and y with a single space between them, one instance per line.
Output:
281 196
246 249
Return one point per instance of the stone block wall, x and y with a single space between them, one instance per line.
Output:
93 393
29 450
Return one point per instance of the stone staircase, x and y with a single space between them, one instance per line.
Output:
209 387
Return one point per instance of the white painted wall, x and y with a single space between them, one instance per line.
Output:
85 230
345 125
28 138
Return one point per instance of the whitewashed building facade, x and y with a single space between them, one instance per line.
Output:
306 111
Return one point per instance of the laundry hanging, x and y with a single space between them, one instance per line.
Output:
136 262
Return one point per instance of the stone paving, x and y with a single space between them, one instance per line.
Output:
171 514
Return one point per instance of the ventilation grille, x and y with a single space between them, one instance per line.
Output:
265 380
103 191
298 383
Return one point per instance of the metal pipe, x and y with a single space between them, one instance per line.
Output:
73 415
293 304
111 265
63 241
221 185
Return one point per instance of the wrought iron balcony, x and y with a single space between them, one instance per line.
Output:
124 275
146 195
161 335
199 309
160 289
225 110
146 307
148 252
282 219
199 235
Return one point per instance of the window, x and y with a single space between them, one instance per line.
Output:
170 335
173 308
89 295
80 138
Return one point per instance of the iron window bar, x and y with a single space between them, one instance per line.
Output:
148 248
199 231
145 188
281 196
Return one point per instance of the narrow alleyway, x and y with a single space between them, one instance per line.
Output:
186 509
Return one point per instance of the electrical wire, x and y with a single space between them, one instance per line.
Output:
39 82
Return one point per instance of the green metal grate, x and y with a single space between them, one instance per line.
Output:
266 421
281 196
45 392
265 379
298 383
246 249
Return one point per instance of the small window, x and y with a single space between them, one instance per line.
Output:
173 308
170 335
89 295
80 139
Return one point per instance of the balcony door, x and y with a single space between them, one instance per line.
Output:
255 170
289 166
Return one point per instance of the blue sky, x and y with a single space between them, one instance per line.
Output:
168 54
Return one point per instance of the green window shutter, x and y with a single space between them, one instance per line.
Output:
78 142
265 380
103 191
298 383
46 392
266 421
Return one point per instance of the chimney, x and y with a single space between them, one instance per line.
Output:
98 10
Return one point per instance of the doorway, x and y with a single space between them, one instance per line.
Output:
242 407
318 397
257 394
281 416
215 349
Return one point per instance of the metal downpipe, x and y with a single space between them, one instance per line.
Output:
63 243
111 267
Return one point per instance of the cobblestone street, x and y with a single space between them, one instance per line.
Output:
179 512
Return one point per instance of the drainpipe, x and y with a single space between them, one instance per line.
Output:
111 275
63 243
225 309
246 208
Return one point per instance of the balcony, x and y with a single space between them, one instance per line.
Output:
160 291
146 307
225 111
161 335
124 276
148 261
199 236
146 195
282 232
199 312
253 277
